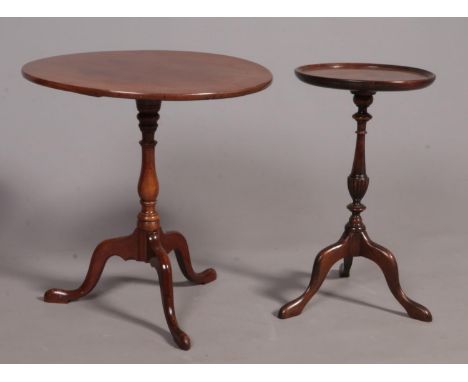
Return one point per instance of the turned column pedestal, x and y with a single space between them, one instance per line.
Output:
148 243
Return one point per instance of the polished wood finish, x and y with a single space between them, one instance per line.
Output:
365 77
355 240
148 243
150 75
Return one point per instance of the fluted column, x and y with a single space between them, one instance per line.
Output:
358 180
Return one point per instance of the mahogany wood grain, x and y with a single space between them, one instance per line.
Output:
355 240
150 74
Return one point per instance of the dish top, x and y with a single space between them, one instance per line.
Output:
365 77
150 74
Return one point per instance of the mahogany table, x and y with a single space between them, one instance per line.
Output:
363 80
149 77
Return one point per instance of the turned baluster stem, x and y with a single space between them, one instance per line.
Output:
358 180
148 186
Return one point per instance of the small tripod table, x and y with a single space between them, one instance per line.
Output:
149 77
363 80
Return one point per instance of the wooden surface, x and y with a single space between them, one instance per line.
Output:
151 75
365 77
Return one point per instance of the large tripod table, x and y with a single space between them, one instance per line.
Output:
149 77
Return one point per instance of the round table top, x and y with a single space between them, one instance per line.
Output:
150 74
365 77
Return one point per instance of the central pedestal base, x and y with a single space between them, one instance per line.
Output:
148 243
355 241
148 247
352 244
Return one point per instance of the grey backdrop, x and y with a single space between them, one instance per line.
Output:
258 186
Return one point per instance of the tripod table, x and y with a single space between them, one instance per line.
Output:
149 77
363 80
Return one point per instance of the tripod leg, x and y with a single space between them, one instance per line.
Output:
124 247
163 266
322 265
387 263
345 267
175 241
